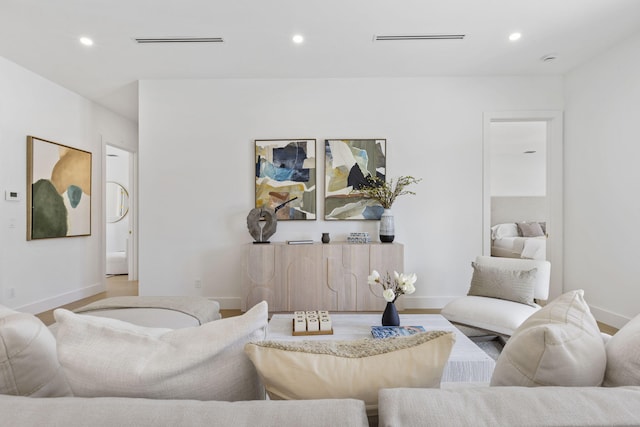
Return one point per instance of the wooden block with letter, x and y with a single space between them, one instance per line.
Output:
311 323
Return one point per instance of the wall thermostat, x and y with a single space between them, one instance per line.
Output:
12 196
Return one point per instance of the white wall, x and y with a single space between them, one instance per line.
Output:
518 209
45 273
514 173
602 182
196 169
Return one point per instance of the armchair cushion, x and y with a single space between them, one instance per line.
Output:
490 314
510 284
543 273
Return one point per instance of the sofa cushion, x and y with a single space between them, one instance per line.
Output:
515 285
28 361
623 356
510 406
559 345
108 357
118 411
350 369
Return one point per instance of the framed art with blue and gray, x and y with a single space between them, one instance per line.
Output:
285 172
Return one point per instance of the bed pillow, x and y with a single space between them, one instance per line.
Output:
109 357
28 361
500 231
559 345
530 229
623 356
350 369
496 282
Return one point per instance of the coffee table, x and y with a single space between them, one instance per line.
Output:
467 363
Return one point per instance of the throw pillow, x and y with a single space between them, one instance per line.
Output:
559 345
28 361
530 229
623 356
109 357
500 231
496 282
350 369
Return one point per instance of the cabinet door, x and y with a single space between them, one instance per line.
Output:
385 258
342 273
262 279
302 268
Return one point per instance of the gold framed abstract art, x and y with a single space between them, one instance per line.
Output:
58 190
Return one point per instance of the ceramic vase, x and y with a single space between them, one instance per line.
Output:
325 238
390 316
387 229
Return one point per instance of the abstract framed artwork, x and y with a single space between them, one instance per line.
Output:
348 164
58 190
285 171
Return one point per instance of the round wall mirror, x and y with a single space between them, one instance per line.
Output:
117 202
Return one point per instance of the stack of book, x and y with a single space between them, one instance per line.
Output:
362 237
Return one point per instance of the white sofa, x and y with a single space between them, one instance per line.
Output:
36 390
549 374
188 382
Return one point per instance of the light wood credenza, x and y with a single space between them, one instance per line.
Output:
318 276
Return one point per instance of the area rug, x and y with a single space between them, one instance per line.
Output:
493 347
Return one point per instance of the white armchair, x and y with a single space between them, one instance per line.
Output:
480 315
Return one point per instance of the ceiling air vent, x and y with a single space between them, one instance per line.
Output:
421 37
179 40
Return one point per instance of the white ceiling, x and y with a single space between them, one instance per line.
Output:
42 35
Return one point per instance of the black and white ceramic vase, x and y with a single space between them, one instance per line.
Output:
387 229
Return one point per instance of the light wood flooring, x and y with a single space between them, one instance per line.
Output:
116 286
120 286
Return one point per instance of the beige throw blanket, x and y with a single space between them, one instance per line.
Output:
200 308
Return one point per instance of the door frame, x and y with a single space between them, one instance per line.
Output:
555 208
132 246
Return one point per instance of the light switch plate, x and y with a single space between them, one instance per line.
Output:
12 196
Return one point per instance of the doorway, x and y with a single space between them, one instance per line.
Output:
522 171
119 218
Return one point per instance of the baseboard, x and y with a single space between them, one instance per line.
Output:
62 299
608 318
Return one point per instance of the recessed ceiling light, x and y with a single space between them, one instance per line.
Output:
514 36
86 41
298 38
